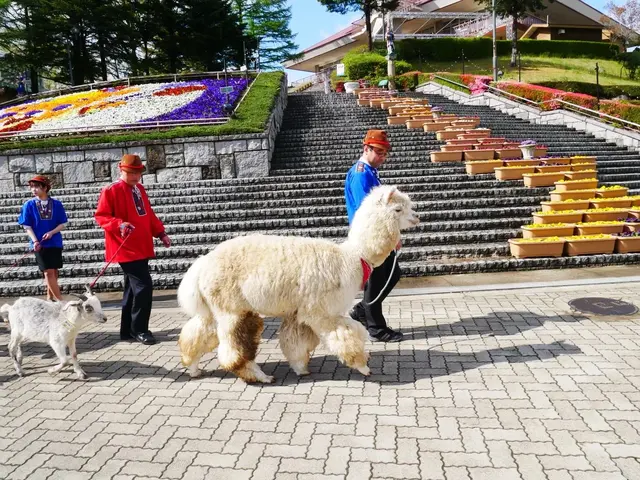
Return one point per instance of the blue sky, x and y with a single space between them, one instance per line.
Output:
312 23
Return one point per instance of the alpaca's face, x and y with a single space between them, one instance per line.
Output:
406 215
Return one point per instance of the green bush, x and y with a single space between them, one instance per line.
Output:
450 49
372 66
606 91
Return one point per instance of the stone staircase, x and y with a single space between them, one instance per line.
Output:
466 221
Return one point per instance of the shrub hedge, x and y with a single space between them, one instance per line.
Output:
370 65
606 91
450 49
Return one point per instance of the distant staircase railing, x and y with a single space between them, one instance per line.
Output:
564 105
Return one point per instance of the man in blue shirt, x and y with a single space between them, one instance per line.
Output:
361 178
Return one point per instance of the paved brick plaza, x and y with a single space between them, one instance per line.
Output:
491 385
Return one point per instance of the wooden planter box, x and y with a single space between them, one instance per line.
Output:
522 163
634 212
591 160
604 216
551 168
466 123
627 245
598 229
590 246
457 141
558 218
523 249
578 185
534 180
512 173
564 231
437 157
572 195
471 155
540 152
476 168
631 227
611 202
447 135
411 124
473 136
435 127
559 206
509 153
456 148
618 192
582 175
397 120
582 168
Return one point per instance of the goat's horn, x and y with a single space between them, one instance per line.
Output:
89 291
81 297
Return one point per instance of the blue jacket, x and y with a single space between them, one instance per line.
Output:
361 178
43 220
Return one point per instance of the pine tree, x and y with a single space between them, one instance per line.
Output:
365 6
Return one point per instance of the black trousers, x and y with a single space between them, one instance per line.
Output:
376 323
137 298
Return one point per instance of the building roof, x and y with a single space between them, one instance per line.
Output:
350 30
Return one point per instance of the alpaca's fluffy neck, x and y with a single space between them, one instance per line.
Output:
372 240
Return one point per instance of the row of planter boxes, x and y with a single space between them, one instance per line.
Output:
573 246
479 153
539 165
539 230
605 214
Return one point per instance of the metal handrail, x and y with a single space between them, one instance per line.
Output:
580 108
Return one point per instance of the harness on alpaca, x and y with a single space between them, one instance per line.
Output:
367 273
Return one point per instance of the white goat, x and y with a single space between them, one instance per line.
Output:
58 324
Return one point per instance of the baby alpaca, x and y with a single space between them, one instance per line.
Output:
58 324
309 283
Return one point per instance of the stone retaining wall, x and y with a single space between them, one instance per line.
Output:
180 159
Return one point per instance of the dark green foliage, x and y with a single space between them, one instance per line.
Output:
606 91
370 65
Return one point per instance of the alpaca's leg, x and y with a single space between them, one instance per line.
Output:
239 337
197 338
15 352
344 337
297 341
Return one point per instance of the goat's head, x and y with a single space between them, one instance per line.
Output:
89 306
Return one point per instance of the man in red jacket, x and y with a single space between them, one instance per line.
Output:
124 212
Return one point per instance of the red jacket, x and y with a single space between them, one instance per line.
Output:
120 203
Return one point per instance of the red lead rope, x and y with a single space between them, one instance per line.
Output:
109 263
15 264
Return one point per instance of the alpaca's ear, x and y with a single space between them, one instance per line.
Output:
389 195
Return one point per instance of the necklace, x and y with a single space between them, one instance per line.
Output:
45 209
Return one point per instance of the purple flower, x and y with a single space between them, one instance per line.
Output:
61 107
210 103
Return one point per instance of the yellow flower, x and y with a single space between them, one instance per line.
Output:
558 212
538 240
587 237
587 224
533 226
585 180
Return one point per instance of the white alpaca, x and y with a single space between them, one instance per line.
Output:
309 283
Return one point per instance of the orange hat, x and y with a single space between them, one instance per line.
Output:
377 138
43 180
131 163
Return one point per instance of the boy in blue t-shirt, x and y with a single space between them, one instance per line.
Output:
44 218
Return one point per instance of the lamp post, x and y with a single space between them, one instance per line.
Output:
391 54
495 46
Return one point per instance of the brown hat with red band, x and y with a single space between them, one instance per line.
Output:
131 163
377 138
41 179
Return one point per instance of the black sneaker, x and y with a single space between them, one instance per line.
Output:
389 336
357 313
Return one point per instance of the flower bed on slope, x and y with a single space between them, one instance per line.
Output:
123 106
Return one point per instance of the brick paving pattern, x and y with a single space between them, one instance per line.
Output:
488 385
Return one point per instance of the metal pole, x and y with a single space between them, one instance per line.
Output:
391 66
598 85
70 64
519 67
463 72
495 46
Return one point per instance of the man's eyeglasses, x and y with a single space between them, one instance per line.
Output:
379 151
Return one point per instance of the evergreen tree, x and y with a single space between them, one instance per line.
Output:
365 6
516 9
